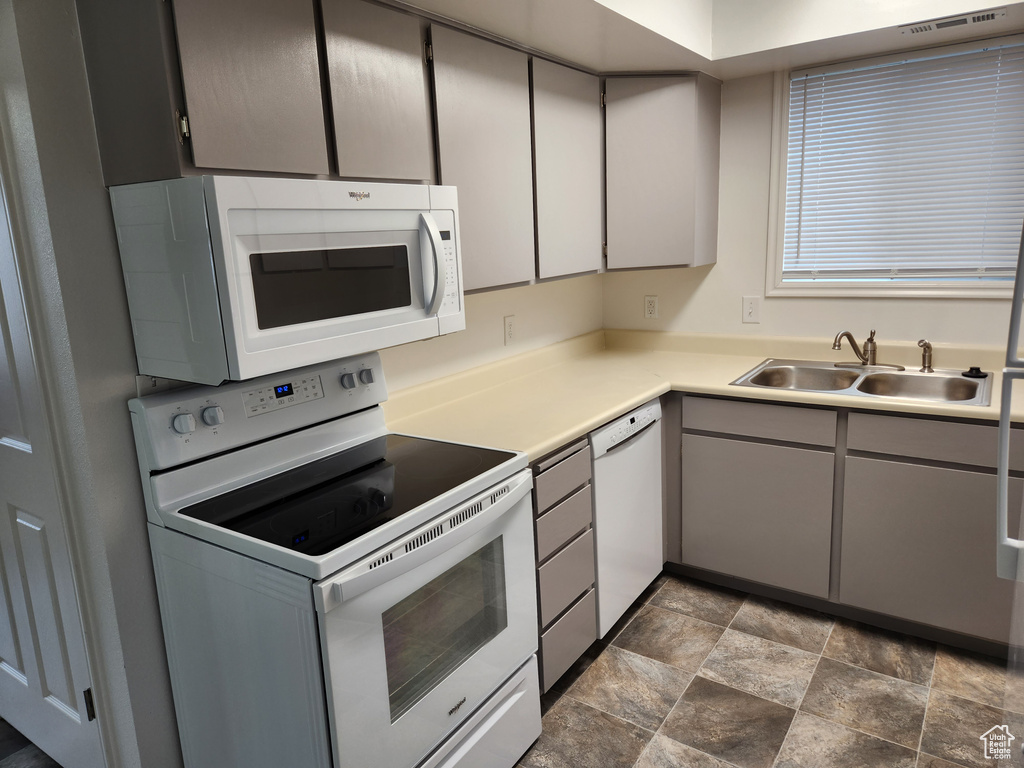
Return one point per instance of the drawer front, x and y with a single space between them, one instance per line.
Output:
763 420
559 524
565 577
567 639
562 479
950 441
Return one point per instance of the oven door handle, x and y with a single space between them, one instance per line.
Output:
434 237
421 545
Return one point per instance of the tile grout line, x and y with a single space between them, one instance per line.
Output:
804 696
928 703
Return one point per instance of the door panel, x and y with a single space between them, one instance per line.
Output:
43 665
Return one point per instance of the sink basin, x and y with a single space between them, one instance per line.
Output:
804 377
942 386
921 386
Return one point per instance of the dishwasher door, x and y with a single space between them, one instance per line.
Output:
627 510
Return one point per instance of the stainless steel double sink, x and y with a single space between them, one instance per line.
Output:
869 381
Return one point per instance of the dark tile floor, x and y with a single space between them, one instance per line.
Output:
18 752
701 677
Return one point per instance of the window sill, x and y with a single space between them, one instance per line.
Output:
819 290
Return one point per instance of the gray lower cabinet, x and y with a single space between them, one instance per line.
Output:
918 539
567 601
662 150
482 94
380 91
756 511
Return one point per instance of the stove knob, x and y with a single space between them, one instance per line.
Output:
379 499
213 416
366 376
184 423
348 381
361 507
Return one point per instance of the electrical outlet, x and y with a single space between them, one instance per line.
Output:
650 307
751 309
508 329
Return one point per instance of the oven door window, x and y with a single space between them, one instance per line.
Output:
440 625
296 287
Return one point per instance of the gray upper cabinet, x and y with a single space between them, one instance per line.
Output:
246 73
662 150
380 91
251 76
567 152
483 123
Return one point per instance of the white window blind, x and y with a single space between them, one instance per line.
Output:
908 170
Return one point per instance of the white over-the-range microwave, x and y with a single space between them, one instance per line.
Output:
232 277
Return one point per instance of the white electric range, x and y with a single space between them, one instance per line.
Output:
333 594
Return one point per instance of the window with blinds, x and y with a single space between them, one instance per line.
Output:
906 171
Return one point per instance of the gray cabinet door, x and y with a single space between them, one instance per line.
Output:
662 152
251 75
380 91
483 124
567 153
919 543
758 512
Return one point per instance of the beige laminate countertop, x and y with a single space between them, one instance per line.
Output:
541 400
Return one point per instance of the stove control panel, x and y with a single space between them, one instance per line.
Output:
300 390
180 425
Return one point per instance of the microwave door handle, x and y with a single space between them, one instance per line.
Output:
434 236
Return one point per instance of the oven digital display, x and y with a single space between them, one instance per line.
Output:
283 390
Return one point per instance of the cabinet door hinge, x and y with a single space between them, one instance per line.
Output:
182 121
604 249
602 99
428 51
90 707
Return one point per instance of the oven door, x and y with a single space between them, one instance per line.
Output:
416 637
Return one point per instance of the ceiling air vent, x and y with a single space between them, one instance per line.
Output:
934 25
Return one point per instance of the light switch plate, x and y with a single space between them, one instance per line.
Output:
751 309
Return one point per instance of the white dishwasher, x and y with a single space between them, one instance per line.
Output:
627 510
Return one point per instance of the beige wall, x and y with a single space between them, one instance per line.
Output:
544 314
708 299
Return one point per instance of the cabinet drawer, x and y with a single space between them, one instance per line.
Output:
565 577
764 420
558 482
931 439
567 639
564 521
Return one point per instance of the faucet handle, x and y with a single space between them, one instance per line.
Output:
926 356
871 336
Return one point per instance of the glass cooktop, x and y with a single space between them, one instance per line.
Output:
327 503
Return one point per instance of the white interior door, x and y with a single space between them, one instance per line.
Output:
44 674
